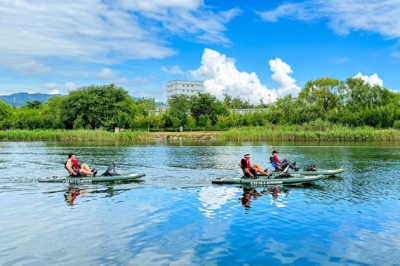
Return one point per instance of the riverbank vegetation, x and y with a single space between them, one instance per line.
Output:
325 109
258 133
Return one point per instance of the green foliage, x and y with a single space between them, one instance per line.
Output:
204 104
95 106
69 135
25 118
6 114
396 124
52 112
204 121
176 122
322 104
320 95
179 107
317 125
296 133
236 102
190 122
144 106
156 122
139 122
34 104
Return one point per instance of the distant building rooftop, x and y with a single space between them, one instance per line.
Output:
185 87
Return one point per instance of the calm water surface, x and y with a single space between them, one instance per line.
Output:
174 216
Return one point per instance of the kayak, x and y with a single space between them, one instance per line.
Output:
108 176
91 179
321 172
273 180
324 172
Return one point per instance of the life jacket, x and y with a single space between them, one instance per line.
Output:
75 164
248 164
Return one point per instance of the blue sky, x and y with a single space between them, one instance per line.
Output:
253 49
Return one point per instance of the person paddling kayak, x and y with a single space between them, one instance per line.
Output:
251 170
274 160
75 169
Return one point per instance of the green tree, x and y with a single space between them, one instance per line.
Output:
52 112
179 106
190 122
144 106
320 96
95 106
34 104
176 122
204 121
208 105
156 121
25 118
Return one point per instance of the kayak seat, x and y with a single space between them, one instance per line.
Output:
110 171
310 168
284 173
72 176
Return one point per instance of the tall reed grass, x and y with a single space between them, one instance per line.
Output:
294 133
334 133
69 135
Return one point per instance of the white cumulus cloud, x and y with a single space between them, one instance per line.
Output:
220 75
372 80
281 72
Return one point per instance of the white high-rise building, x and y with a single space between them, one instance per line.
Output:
183 87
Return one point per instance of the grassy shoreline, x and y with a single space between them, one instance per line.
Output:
281 133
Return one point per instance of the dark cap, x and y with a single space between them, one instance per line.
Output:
274 152
246 155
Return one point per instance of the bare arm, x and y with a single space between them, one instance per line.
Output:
248 172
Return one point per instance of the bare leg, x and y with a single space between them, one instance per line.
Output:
85 169
260 170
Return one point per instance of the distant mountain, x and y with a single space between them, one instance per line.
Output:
21 98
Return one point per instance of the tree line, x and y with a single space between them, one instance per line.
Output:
351 103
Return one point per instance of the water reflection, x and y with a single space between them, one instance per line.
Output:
213 198
275 193
73 192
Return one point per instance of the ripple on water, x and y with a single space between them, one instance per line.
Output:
175 216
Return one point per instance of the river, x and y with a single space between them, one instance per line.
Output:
175 216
